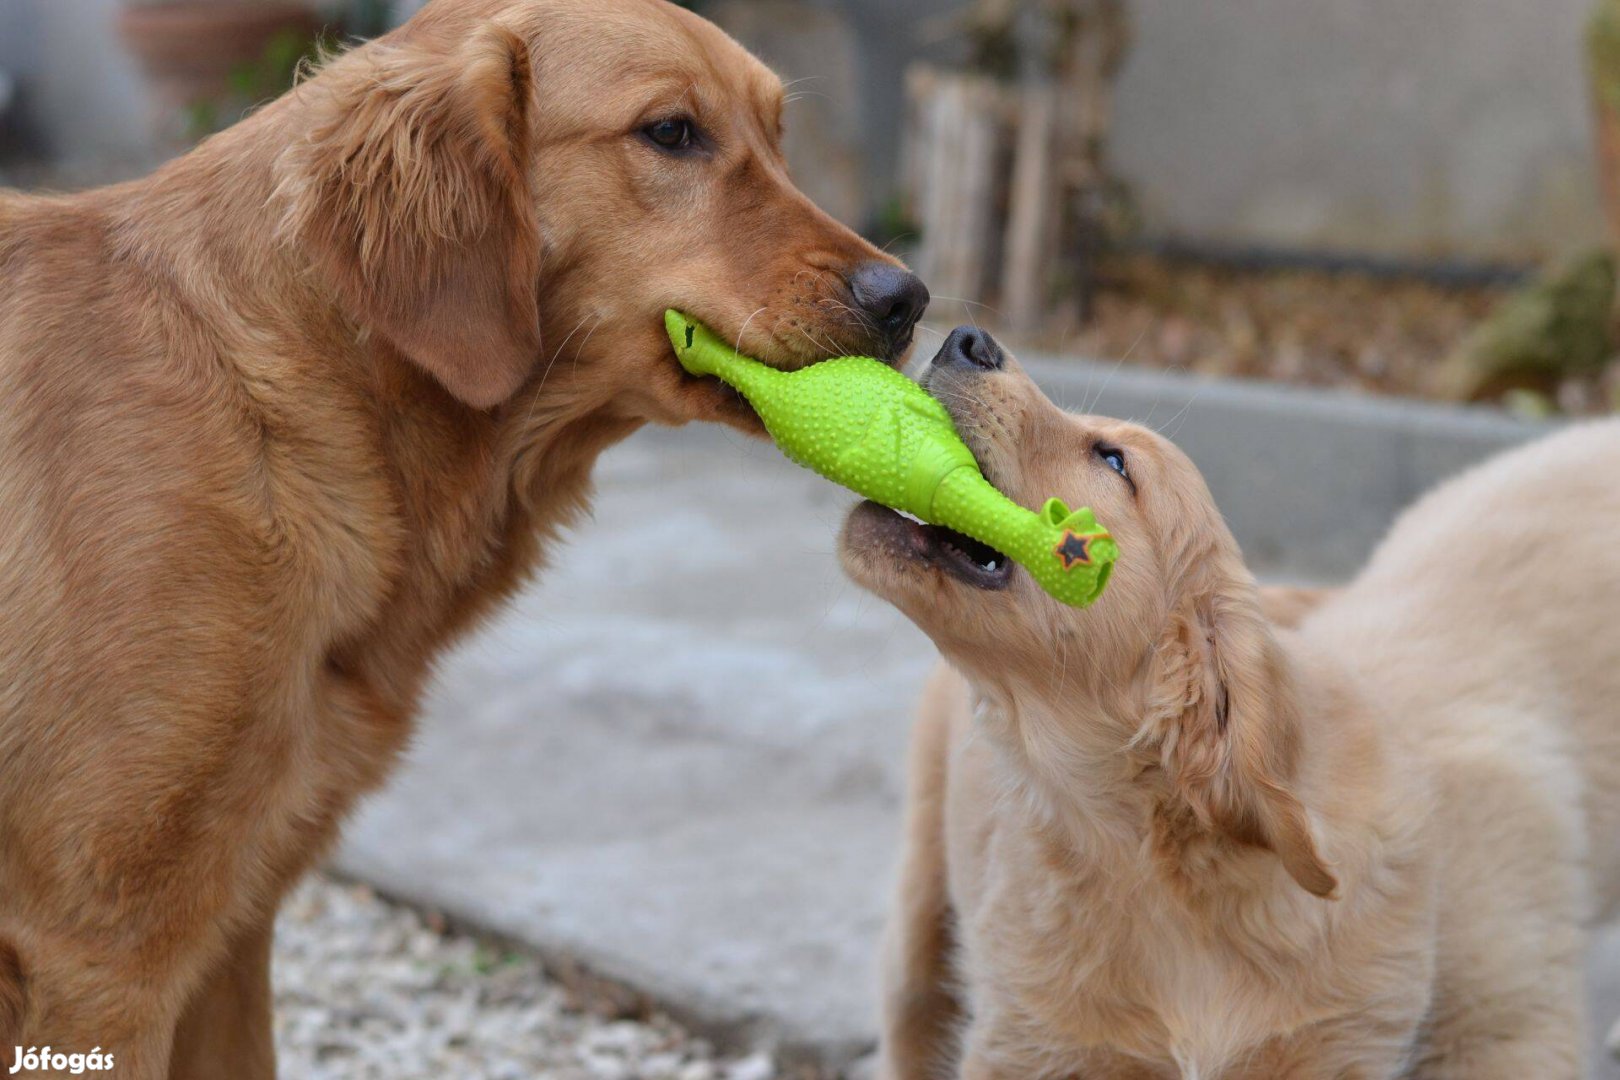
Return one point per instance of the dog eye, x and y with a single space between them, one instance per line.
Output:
1115 458
676 133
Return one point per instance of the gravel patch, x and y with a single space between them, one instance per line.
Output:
371 990
1307 327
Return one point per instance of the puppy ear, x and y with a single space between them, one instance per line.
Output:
410 193
1223 717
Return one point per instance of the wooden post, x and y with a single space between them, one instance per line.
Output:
953 155
1006 180
1031 212
1097 34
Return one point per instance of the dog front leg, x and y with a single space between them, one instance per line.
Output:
920 1010
87 1015
227 1028
978 1067
1512 1037
1000 1049
1551 1050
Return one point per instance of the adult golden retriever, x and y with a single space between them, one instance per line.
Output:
1170 837
280 421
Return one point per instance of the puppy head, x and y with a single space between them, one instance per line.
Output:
987 614
513 191
1174 672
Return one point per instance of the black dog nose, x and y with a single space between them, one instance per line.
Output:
970 345
893 297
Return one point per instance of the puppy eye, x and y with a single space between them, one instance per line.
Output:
675 134
1115 458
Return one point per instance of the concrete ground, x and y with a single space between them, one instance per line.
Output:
677 759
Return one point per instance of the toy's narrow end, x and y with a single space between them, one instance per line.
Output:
682 335
701 351
1085 553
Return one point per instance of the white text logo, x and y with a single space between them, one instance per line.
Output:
36 1059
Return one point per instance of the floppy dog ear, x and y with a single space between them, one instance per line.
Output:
1223 717
410 193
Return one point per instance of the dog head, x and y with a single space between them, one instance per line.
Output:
512 192
1172 681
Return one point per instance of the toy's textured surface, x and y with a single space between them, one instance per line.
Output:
864 425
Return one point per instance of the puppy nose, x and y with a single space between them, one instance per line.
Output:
972 346
892 296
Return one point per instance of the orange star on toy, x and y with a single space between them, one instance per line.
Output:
1075 549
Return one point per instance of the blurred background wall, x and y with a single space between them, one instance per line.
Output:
1446 126
1457 125
79 97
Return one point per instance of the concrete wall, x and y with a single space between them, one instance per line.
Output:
1417 128
845 63
78 88
1406 125
82 99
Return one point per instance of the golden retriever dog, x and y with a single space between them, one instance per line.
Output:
1172 837
280 421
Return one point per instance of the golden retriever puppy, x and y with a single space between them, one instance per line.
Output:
1168 837
280 421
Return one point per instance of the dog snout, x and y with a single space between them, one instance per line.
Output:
971 347
893 298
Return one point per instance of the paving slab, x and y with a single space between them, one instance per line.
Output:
677 759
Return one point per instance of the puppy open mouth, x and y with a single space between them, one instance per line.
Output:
964 558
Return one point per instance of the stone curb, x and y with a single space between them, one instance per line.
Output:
1309 480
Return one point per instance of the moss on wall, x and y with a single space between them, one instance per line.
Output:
1562 324
1603 51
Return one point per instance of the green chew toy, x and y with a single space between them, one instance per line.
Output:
860 423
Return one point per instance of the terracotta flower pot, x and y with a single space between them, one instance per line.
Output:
189 49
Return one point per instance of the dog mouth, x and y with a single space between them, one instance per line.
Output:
911 540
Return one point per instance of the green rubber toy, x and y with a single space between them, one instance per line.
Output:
864 425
